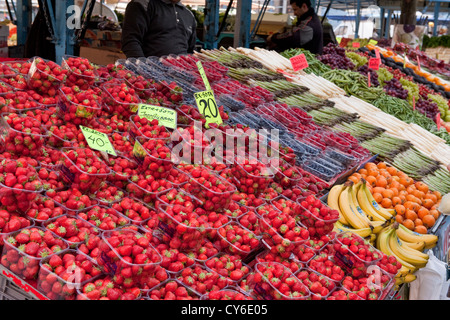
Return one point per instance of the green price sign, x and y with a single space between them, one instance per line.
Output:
203 75
98 140
166 117
373 42
208 107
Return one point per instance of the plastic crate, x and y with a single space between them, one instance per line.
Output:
10 291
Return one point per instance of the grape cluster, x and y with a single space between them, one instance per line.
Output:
395 89
335 57
425 90
428 108
364 70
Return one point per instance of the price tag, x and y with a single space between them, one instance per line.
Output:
414 102
139 152
374 63
166 117
405 60
377 54
418 62
338 39
203 75
98 140
208 107
299 62
373 42
438 120
355 45
368 79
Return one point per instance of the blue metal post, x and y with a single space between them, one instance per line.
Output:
23 20
64 36
242 25
211 23
358 18
437 6
387 32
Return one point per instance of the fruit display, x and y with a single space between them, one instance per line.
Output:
303 206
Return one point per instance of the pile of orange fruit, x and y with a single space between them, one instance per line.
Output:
415 205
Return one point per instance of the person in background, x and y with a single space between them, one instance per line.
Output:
157 28
307 33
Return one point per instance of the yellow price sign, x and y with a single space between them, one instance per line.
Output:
98 140
338 39
166 117
207 106
203 75
373 42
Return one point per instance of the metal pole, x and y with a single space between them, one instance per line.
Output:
23 20
242 26
211 23
358 18
382 22
437 6
387 32
60 30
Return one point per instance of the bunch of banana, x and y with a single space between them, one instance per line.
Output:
407 247
358 210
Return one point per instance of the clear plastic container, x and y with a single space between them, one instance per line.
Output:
216 199
134 209
205 279
64 285
103 218
335 140
320 286
108 194
287 175
44 208
346 159
161 291
229 236
101 285
13 257
5 231
265 290
145 193
45 75
319 170
15 199
80 179
76 113
154 158
113 263
122 168
122 109
84 81
50 157
349 261
318 226
184 235
226 294
70 228
175 196
135 131
21 141
244 173
379 283
292 264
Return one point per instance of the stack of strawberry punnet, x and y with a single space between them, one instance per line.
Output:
78 223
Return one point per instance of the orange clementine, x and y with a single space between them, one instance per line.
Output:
400 209
353 178
422 186
387 193
362 172
409 224
377 196
371 180
381 165
437 194
422 212
418 222
435 214
431 196
395 191
428 221
410 214
369 165
396 201
378 189
421 229
399 218
392 171
428 203
381 182
373 172
386 203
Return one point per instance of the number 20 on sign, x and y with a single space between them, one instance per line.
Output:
208 107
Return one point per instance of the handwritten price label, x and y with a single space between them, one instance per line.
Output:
373 42
355 44
203 75
166 117
344 42
299 62
368 79
374 63
98 140
414 102
418 62
438 120
207 106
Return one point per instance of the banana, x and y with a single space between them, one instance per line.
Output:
366 206
403 271
410 236
348 209
415 245
388 214
405 279
404 254
408 248
365 232
333 201
382 243
378 225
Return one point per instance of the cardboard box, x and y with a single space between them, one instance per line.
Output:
271 23
101 56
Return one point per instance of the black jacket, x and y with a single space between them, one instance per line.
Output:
307 34
157 28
